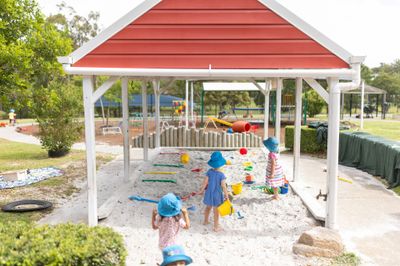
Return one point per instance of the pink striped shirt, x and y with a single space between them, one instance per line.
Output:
278 179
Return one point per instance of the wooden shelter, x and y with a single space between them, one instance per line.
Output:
225 40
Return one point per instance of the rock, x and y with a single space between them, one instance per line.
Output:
319 242
310 251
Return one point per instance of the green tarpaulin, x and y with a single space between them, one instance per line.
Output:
373 154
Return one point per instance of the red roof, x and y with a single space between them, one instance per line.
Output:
223 34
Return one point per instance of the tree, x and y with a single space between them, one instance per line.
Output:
57 113
29 47
79 28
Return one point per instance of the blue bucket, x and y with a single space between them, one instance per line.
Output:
285 189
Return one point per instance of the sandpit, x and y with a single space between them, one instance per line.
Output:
264 236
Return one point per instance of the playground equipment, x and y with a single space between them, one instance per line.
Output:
238 126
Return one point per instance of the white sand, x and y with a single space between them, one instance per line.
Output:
264 237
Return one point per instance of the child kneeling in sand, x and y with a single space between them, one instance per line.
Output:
274 176
168 218
215 188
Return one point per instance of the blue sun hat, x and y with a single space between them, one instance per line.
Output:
272 144
173 254
217 160
12 111
169 205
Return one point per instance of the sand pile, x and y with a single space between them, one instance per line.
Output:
264 236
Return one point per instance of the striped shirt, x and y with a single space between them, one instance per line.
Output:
278 178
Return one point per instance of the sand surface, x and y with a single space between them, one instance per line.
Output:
264 236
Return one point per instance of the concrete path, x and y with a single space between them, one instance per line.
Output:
9 133
368 213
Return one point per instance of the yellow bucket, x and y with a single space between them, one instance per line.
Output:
226 208
237 188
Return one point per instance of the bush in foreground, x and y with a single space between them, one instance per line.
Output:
63 244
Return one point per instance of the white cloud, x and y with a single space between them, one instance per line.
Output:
364 27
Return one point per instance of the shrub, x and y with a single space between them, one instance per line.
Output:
314 103
63 244
3 115
308 143
56 109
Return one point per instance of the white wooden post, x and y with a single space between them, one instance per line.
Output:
362 105
125 125
278 109
156 88
145 122
333 152
88 86
266 107
187 105
191 104
297 130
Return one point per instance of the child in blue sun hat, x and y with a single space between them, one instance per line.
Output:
168 218
175 256
215 188
274 176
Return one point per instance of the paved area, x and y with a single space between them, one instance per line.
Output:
9 133
368 213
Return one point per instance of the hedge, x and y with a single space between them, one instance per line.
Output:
63 244
308 142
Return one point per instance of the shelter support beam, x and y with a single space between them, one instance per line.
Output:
192 104
187 105
333 152
125 126
156 88
267 90
103 89
297 130
318 88
362 105
88 86
278 109
145 123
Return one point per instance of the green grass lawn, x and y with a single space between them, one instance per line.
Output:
17 156
389 129
21 156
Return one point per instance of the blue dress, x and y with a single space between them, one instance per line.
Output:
214 195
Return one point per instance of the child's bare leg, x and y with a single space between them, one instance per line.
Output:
276 195
216 220
207 215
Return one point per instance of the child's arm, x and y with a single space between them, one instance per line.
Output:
223 185
203 186
153 219
186 218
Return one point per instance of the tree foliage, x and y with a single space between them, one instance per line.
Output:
29 47
57 113
79 28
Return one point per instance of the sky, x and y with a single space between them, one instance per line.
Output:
363 27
